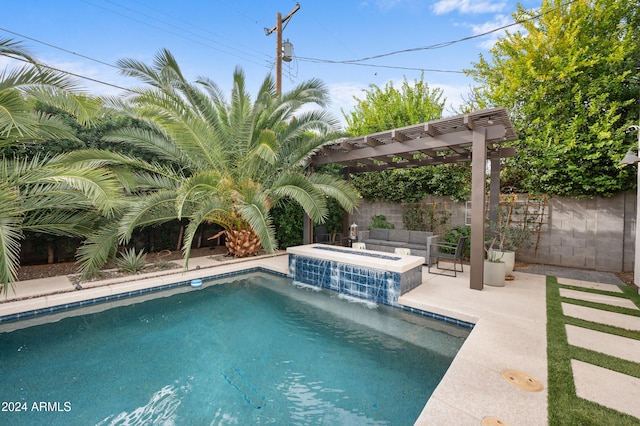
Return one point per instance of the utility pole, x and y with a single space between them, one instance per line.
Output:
278 29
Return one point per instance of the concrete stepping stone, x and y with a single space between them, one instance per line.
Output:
627 322
605 387
598 298
587 284
609 344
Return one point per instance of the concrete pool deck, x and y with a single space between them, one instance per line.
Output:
510 334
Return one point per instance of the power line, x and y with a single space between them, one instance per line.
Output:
184 28
447 43
170 32
59 48
38 64
327 61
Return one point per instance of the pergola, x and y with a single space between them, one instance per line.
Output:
475 137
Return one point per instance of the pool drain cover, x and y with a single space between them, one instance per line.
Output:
492 421
522 380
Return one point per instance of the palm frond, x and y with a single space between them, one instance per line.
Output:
10 235
10 47
339 189
211 210
49 127
85 109
60 223
145 210
98 249
198 186
255 211
98 185
300 189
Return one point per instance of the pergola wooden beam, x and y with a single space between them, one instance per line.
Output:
473 137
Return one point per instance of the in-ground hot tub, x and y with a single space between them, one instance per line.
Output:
376 276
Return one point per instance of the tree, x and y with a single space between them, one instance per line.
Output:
569 80
41 194
232 160
384 109
388 108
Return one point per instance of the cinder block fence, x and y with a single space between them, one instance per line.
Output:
596 233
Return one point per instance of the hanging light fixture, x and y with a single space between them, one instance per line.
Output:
630 158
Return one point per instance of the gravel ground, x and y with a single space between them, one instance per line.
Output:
157 261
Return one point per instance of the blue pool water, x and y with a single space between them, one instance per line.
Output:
253 351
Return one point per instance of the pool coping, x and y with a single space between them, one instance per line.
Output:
123 288
370 259
509 332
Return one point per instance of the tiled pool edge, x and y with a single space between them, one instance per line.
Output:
182 283
125 294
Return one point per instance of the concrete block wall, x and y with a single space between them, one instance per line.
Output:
584 233
596 233
393 212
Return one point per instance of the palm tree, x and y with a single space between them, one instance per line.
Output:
232 160
44 194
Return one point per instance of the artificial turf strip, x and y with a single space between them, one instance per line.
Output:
631 294
565 407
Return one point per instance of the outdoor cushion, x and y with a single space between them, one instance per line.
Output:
420 237
371 242
398 244
379 234
399 235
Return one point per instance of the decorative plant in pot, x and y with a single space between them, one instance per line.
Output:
494 267
513 230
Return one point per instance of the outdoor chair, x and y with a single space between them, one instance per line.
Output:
452 252
359 246
320 235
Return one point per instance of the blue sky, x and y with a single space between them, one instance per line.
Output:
210 38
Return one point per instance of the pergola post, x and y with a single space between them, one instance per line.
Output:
307 229
494 188
478 178
458 139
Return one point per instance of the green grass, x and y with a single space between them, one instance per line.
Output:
565 407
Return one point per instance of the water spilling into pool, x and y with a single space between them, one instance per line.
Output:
257 350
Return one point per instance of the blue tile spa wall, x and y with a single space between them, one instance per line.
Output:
370 284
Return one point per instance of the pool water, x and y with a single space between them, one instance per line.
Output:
253 351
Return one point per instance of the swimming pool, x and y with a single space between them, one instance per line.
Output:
257 350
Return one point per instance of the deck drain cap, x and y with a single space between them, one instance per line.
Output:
522 380
493 421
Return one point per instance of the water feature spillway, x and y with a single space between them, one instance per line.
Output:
370 275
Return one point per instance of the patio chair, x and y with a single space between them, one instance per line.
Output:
452 252
320 235
359 246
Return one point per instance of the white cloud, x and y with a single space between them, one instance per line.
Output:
489 40
442 7
341 95
455 96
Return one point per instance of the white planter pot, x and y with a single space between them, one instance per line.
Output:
508 257
494 273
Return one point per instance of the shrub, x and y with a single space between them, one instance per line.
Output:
425 216
131 262
380 221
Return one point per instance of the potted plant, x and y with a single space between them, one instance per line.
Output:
513 230
494 267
